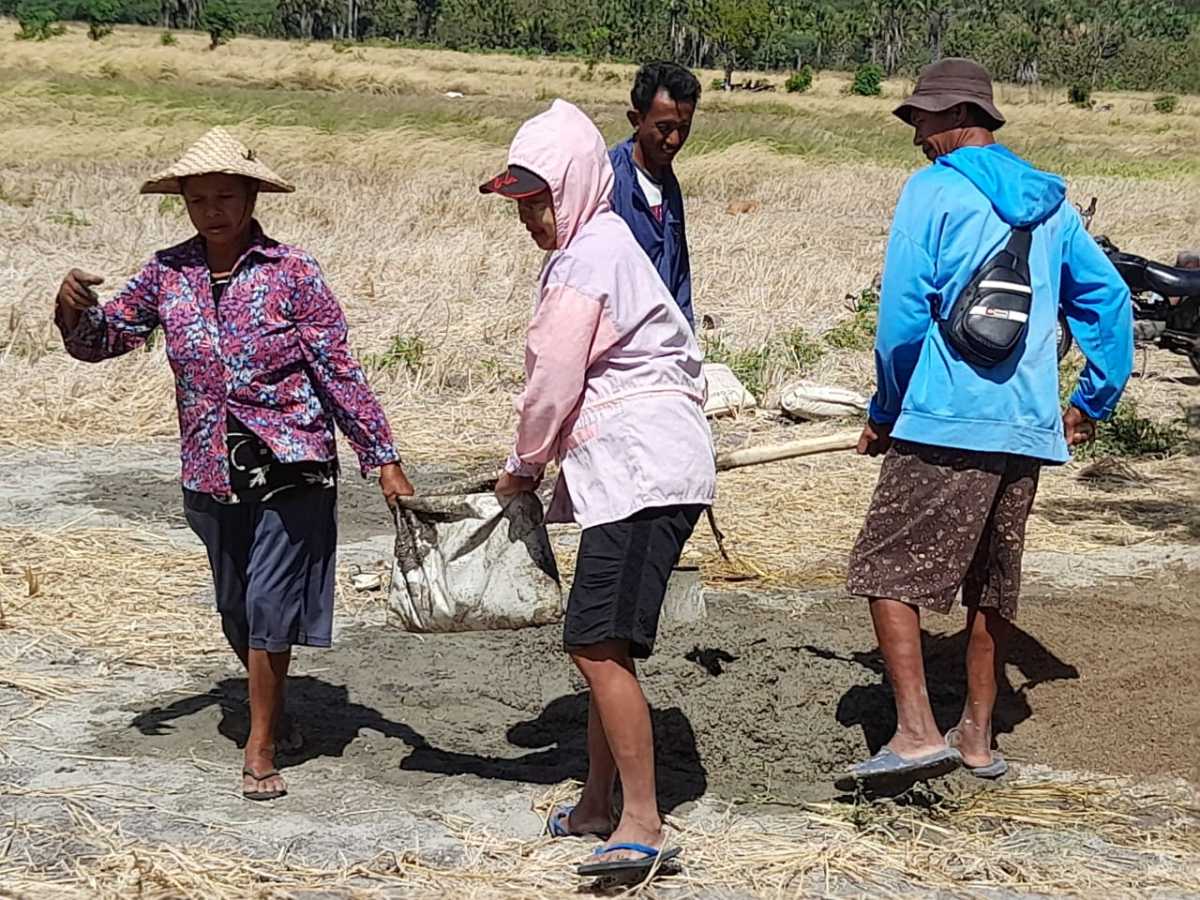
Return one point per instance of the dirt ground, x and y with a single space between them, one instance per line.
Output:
765 701
756 707
759 705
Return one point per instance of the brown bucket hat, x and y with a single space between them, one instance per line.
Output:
949 82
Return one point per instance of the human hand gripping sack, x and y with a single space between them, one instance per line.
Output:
394 484
509 485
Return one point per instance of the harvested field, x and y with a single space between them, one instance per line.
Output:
432 761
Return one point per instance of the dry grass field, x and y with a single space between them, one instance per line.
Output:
436 283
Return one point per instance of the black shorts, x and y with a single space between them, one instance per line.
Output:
621 578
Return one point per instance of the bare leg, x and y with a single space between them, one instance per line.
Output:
593 813
898 631
988 632
268 674
287 735
624 717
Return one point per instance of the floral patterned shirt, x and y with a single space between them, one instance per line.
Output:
276 359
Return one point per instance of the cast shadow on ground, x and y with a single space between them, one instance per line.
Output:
1151 515
329 721
559 738
871 707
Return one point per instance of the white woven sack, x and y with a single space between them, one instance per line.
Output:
809 400
466 563
725 395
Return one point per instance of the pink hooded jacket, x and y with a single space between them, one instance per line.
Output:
613 390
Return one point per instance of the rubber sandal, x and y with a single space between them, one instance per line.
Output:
651 857
558 825
889 767
997 768
262 795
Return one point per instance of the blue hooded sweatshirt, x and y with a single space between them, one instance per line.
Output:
665 242
952 217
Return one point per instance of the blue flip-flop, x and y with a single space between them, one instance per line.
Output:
558 825
889 767
997 768
651 857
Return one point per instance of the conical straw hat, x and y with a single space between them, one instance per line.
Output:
217 152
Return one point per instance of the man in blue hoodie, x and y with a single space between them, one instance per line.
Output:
964 442
646 193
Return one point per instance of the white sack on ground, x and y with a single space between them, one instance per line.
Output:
809 400
465 563
725 394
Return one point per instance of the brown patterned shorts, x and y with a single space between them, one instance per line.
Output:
944 519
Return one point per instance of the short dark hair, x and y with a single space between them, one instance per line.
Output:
680 84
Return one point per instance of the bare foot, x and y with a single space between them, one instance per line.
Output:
912 748
583 821
974 743
259 775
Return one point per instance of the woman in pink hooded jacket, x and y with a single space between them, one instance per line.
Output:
614 394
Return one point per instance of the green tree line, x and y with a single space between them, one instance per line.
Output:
1125 44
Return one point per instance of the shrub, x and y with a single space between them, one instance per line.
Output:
857 332
220 20
868 80
402 353
1080 95
717 84
168 39
749 364
38 21
100 15
1130 435
804 350
800 81
1166 104
1126 434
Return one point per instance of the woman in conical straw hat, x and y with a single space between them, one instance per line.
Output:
262 373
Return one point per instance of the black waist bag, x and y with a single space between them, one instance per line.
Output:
991 315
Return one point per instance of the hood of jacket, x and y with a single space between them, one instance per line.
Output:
564 148
1020 194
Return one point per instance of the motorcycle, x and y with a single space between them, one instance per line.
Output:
1166 301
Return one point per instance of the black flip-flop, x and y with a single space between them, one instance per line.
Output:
262 795
651 857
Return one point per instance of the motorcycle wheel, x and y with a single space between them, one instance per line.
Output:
1063 338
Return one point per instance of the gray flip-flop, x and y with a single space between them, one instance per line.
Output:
888 766
997 768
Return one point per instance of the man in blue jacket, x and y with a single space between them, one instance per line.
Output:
964 443
646 193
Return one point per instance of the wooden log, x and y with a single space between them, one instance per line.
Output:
753 456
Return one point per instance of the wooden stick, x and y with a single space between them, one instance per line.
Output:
753 456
